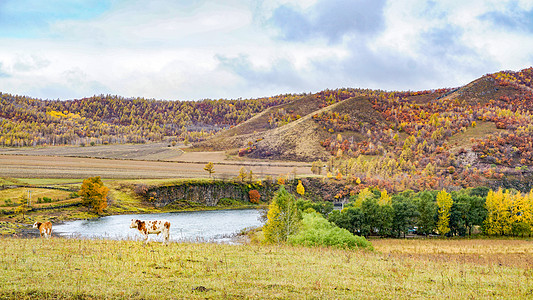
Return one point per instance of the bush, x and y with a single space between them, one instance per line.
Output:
228 202
317 231
254 196
141 190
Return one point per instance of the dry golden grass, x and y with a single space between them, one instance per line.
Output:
92 269
487 252
21 166
482 129
36 193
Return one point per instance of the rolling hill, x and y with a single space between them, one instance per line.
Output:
480 133
475 134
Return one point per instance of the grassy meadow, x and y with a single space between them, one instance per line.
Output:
398 269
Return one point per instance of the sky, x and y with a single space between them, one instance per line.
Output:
229 49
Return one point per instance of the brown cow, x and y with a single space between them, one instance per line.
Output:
152 227
44 228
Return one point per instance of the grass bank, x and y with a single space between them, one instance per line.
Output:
93 269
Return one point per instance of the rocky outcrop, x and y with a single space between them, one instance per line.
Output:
208 194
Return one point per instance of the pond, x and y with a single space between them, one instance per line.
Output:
217 226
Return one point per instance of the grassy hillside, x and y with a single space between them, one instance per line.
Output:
96 269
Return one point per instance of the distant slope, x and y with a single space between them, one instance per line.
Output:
482 91
301 139
248 132
107 119
297 140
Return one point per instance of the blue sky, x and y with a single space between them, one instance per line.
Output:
197 49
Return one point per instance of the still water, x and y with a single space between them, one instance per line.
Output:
202 226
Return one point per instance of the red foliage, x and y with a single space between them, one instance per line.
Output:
254 196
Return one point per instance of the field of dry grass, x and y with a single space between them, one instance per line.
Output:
94 269
14 194
26 166
487 252
153 151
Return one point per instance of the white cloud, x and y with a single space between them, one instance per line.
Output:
228 49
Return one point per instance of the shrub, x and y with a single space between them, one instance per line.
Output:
254 196
141 189
228 202
317 231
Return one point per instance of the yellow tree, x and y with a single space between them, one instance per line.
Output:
242 174
23 207
94 194
521 214
283 217
528 210
385 199
210 168
362 196
444 203
300 188
498 205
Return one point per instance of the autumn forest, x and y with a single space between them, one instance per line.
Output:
477 134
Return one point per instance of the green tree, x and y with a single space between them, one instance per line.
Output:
444 203
283 217
404 215
210 168
467 211
377 219
323 207
427 213
350 218
94 194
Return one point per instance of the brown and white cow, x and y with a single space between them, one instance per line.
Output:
152 227
44 228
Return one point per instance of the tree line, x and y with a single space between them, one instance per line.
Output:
112 119
457 213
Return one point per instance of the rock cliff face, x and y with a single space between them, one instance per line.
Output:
208 194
